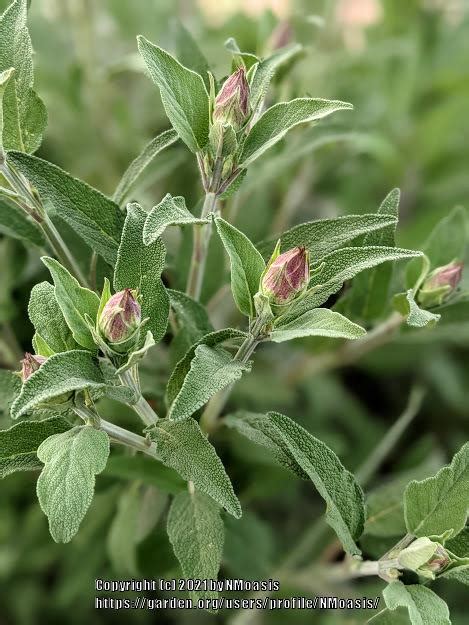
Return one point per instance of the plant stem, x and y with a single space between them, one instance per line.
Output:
131 379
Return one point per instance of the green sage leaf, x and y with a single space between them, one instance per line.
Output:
423 605
65 487
140 267
196 532
317 322
93 216
18 445
246 262
189 53
183 94
10 387
74 301
280 118
295 448
14 222
171 211
415 316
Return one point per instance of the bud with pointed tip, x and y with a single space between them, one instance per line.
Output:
438 562
286 276
440 284
30 364
232 102
120 317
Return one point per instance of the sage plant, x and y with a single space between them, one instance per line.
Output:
93 334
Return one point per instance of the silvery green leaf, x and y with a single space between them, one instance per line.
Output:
140 267
171 211
196 532
65 487
59 375
190 314
423 605
74 301
185 448
48 320
41 347
211 370
5 117
146 470
295 448
14 222
183 94
323 236
182 368
246 263
317 322
141 162
24 114
415 316
441 502
280 118
10 387
337 267
93 216
399 616
18 445
122 537
189 53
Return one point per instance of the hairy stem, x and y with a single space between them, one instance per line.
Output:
131 379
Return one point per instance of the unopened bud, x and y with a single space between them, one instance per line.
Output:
440 284
438 562
286 276
232 102
30 364
425 557
120 317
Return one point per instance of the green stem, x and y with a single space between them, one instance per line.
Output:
131 379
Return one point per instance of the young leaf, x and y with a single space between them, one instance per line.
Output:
399 616
141 162
415 316
93 216
185 448
212 368
308 457
74 301
441 502
14 222
317 322
183 94
280 118
66 485
423 605
247 265
182 368
18 445
59 375
140 267
48 320
196 532
323 236
5 77
171 211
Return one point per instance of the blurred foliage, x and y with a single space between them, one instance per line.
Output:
404 66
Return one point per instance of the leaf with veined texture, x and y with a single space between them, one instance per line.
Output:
423 605
317 322
171 211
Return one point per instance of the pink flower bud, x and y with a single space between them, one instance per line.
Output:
440 284
286 276
120 317
232 102
30 364
439 560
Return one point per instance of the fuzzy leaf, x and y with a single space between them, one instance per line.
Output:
423 605
196 532
183 94
212 368
191 315
10 387
93 216
182 368
171 211
317 322
74 301
441 502
122 538
15 223
323 236
65 487
140 267
59 375
415 316
18 445
48 320
141 162
297 449
185 448
246 262
280 118
399 616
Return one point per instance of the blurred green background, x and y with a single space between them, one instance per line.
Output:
405 67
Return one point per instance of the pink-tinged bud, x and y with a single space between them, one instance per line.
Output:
30 364
232 102
286 276
281 36
120 317
439 560
440 284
